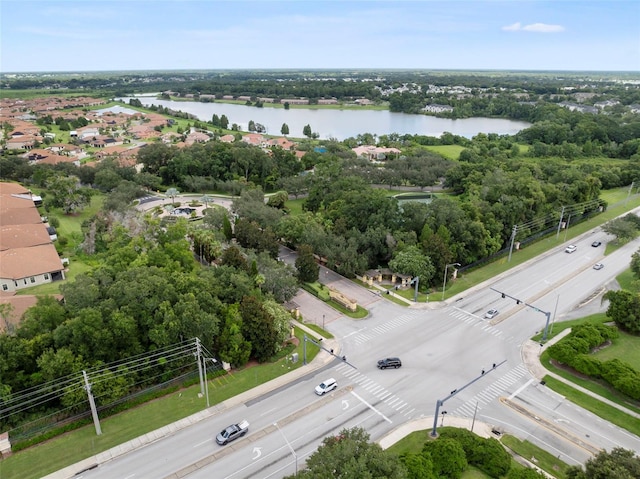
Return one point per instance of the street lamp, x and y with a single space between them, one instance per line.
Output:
295 456
444 283
443 413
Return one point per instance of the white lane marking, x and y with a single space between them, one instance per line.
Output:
521 388
202 443
372 408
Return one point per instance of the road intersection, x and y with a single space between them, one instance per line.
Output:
442 345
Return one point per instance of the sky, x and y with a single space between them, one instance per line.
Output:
106 35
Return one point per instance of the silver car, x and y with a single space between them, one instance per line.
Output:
492 313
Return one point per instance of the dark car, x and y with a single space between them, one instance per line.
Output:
389 363
596 243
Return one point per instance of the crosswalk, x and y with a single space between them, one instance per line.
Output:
387 326
491 392
378 391
476 321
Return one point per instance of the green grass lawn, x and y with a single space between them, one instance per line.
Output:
452 152
626 348
600 409
541 458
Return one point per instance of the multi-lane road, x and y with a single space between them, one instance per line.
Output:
442 349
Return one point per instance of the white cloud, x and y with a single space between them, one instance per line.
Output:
534 27
512 28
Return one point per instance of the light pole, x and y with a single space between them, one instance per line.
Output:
295 456
442 422
444 283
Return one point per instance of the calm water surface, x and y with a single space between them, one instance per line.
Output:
340 124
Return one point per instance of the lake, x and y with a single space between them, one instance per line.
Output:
339 124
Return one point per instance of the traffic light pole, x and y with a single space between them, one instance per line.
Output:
440 402
536 309
330 351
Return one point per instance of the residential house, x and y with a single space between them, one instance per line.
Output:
295 101
255 139
283 143
375 153
27 255
435 108
30 266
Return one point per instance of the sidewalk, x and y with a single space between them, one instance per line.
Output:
321 359
531 352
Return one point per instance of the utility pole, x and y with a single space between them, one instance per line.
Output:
513 238
198 356
629 193
560 223
92 403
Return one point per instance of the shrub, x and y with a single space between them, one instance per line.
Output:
587 365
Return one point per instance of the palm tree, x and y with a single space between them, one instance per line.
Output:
172 193
206 199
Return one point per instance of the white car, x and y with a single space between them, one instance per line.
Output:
571 248
326 386
492 313
598 266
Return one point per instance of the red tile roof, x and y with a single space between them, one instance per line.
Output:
24 262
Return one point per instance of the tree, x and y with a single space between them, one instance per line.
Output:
278 200
285 129
226 228
251 126
306 265
306 131
351 455
279 278
448 457
635 264
258 328
231 345
413 262
618 464
224 122
624 309
67 194
172 193
623 229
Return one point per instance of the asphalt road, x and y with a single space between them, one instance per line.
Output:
442 349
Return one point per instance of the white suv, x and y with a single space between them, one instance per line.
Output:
571 248
326 386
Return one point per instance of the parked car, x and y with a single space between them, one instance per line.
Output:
571 248
326 386
232 432
492 313
389 363
598 266
596 243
